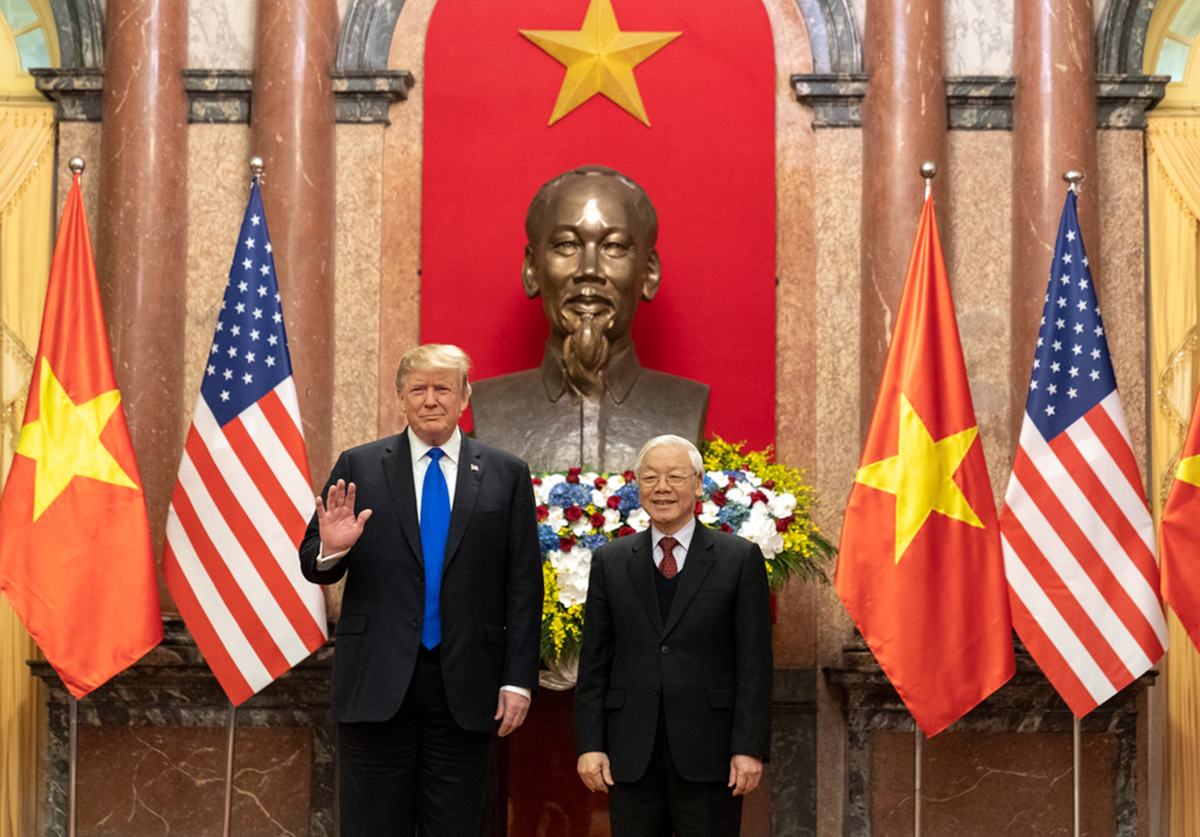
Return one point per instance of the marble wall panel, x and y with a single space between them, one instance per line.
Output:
977 784
838 189
221 34
400 279
1121 285
978 260
147 781
79 139
218 189
979 37
356 296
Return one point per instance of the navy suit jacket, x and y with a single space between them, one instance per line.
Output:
491 593
709 662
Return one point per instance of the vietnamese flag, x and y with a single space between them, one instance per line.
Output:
1179 539
920 566
75 557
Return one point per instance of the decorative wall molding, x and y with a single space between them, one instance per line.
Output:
1122 100
216 96
836 98
77 92
980 103
834 37
366 96
1121 41
80 27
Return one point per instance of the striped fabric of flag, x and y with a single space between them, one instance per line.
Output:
243 498
1077 535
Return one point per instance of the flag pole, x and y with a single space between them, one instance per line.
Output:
1076 745
928 169
72 750
232 724
917 780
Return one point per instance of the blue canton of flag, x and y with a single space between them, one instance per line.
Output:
1072 371
248 357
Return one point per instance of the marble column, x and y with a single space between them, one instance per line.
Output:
141 234
1054 131
292 129
904 124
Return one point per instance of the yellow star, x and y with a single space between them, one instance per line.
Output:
65 441
599 59
1189 470
921 475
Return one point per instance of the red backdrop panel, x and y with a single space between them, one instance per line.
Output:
707 161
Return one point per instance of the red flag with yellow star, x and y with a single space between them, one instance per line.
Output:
920 567
75 557
1179 538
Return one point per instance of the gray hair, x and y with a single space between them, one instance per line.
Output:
674 441
435 357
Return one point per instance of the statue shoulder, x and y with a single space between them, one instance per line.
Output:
512 385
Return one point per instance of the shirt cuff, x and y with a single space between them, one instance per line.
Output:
526 693
326 562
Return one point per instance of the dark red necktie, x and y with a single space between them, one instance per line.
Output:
668 567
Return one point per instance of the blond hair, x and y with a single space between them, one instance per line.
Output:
435 357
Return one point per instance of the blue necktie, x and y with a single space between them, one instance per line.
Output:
435 526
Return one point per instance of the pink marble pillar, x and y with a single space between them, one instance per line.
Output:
292 129
141 237
1054 131
904 125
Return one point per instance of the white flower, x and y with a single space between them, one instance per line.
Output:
639 520
740 493
612 520
542 492
708 512
581 525
614 482
572 569
555 520
782 505
761 530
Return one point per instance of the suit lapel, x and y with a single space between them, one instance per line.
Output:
466 491
700 560
398 471
641 570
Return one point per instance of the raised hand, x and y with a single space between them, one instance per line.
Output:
340 527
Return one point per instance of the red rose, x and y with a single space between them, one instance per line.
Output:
600 483
614 502
572 513
629 476
725 527
573 474
699 507
537 480
719 498
768 483
732 481
626 530
782 524
598 520
543 512
758 497
566 544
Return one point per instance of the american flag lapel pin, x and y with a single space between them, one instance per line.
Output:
474 467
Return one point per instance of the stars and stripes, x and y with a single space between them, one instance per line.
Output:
1077 535
243 499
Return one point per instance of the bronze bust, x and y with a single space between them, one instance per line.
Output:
591 258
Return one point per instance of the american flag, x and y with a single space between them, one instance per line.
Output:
1077 536
243 499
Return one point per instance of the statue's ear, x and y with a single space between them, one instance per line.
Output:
529 274
653 276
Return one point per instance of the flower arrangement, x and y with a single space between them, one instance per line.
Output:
744 493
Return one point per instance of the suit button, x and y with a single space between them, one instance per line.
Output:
655 693
666 650
416 622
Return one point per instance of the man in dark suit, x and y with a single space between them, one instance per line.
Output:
673 701
437 644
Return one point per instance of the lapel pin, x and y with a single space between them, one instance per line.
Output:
474 467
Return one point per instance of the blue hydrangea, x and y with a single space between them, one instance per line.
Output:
629 498
570 494
734 514
547 539
595 540
710 485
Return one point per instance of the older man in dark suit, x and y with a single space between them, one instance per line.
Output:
673 702
437 644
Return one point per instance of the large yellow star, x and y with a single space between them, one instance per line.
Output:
599 59
921 475
1189 470
65 441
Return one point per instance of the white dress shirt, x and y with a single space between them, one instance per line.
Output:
683 536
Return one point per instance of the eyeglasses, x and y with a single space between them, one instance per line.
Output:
673 480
